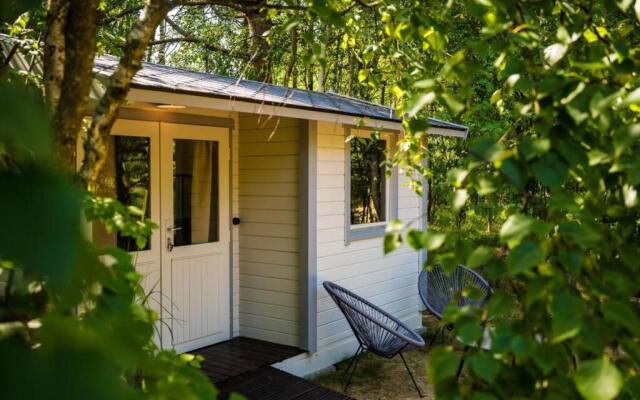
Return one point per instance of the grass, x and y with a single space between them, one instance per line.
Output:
377 378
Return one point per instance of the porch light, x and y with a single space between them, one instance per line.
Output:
171 106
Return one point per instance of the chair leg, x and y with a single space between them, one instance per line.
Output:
411 375
354 364
461 362
435 336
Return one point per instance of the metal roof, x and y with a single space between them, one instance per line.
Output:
161 77
176 80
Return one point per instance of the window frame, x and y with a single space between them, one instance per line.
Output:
376 229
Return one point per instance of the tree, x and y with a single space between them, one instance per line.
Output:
74 320
566 83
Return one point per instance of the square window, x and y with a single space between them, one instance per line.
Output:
368 180
371 199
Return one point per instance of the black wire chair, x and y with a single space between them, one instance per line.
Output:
437 289
376 330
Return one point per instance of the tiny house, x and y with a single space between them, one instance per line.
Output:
259 198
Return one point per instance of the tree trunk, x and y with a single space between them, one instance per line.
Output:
95 145
260 62
162 48
79 50
351 74
294 57
53 60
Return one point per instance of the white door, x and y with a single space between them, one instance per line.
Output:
195 236
132 175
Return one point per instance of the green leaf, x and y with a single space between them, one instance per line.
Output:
479 256
460 198
623 313
550 170
415 239
521 347
625 137
25 126
433 240
500 303
10 10
632 98
531 148
457 176
469 331
598 379
555 53
418 102
40 223
442 364
525 256
453 104
363 74
484 365
519 226
392 240
568 313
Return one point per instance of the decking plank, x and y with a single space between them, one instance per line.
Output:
268 383
231 358
243 365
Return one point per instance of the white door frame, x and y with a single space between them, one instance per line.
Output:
221 248
147 262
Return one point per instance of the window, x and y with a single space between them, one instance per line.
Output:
195 192
127 177
369 185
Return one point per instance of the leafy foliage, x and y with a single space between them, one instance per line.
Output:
74 322
565 80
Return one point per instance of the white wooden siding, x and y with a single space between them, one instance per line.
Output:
268 175
387 281
235 229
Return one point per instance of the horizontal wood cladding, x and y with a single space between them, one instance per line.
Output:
268 196
388 281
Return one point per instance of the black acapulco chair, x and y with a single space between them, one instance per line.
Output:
437 289
376 330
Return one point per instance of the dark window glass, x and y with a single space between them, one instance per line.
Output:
127 177
368 181
195 192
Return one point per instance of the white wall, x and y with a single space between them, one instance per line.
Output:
269 150
388 281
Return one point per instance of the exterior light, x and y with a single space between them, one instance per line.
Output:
171 106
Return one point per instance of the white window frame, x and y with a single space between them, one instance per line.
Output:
376 229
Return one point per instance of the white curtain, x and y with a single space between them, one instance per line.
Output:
201 183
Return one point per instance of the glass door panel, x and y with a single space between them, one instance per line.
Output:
196 211
126 177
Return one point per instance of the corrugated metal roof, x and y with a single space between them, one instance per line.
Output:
171 79
162 77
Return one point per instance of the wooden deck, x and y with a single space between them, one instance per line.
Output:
243 365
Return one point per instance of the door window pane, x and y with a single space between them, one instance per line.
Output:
126 177
368 181
195 192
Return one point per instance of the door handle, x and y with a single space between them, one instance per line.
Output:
171 231
169 244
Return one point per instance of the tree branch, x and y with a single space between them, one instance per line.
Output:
202 42
190 38
95 144
107 19
290 7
